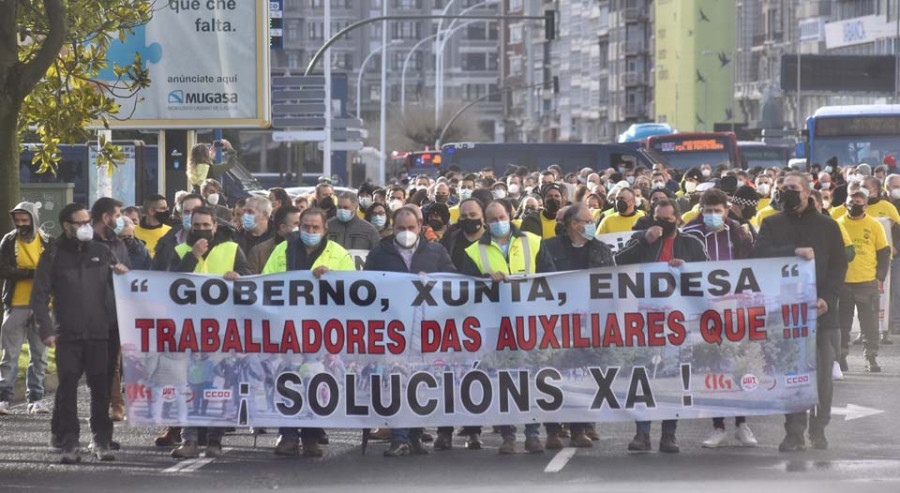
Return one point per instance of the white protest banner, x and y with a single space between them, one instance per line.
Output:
616 241
208 63
367 349
359 257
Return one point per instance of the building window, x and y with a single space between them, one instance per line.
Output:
474 61
293 60
316 30
515 34
405 30
292 33
407 4
516 5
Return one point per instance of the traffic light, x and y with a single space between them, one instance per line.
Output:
549 25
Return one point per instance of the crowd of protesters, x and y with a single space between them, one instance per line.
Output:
486 224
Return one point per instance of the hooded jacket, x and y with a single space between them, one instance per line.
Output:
10 273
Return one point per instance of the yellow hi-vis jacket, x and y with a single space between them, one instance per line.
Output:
334 257
219 260
523 249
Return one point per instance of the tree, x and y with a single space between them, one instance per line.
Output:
51 52
416 129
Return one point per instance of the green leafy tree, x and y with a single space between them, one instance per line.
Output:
51 52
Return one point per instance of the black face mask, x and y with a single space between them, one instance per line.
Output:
856 210
668 227
25 230
470 226
621 206
789 199
162 216
436 224
748 212
130 242
551 206
441 199
327 203
195 236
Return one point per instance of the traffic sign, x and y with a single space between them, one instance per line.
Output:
299 136
342 146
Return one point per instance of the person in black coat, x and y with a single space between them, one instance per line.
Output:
409 252
800 230
662 242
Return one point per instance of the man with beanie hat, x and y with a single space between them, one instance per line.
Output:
543 223
20 251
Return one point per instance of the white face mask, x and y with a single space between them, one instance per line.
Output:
690 186
212 199
895 193
513 189
499 194
763 188
706 172
84 233
395 204
406 239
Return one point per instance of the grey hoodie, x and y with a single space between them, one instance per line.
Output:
10 273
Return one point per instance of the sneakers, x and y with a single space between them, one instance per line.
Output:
427 437
580 440
718 439
444 441
213 450
101 452
37 407
4 408
533 445
836 372
397 449
170 437
286 447
473 442
554 442
792 443
187 450
70 456
668 444
508 447
311 448
744 436
416 447
640 443
872 365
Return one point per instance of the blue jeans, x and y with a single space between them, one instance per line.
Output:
531 430
15 330
668 426
402 435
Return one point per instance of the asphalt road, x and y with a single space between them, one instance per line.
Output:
865 450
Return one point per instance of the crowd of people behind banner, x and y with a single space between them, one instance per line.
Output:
482 224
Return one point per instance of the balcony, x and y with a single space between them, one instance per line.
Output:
635 110
637 47
634 14
631 79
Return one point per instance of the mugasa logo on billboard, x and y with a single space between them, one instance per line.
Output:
178 96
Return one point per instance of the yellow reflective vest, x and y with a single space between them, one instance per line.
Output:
335 257
523 250
219 260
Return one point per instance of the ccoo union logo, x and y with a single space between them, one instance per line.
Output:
178 96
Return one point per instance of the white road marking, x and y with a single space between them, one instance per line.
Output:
853 411
560 460
192 465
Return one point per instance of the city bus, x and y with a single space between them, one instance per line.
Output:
853 135
473 157
688 150
764 155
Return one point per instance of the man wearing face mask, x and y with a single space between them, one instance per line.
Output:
467 231
514 188
75 273
255 227
499 191
466 187
774 206
365 196
543 224
625 216
743 208
208 250
325 199
20 253
575 248
436 217
312 251
865 274
138 256
348 230
286 223
153 226
661 243
165 247
824 181
408 251
212 193
505 251
800 230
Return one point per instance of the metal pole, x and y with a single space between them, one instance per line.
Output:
439 64
382 141
409 56
326 147
799 99
362 69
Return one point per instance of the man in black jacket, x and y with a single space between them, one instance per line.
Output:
575 248
800 230
73 272
661 243
407 251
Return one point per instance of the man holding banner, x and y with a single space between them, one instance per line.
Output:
801 230
661 243
311 251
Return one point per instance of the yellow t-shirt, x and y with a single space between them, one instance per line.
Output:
617 223
868 237
454 214
882 208
845 235
151 236
763 203
691 214
548 227
27 256
758 218
838 212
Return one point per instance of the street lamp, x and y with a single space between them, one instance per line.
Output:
438 59
409 56
362 69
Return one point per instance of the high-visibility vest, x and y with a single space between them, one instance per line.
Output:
523 252
219 260
334 256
